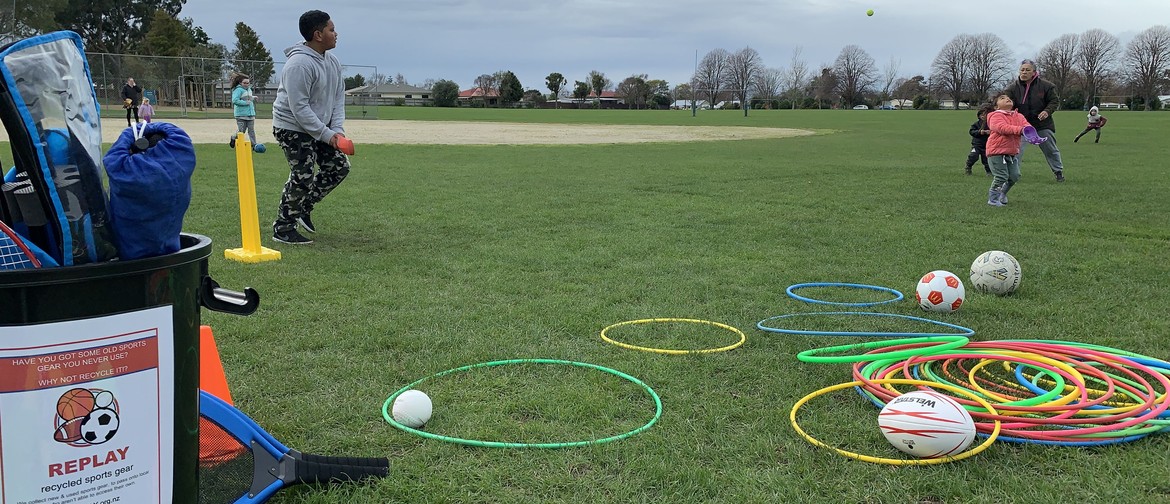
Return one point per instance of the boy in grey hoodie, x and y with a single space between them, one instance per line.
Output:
307 119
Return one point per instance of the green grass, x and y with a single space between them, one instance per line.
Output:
433 257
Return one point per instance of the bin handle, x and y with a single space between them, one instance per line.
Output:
227 301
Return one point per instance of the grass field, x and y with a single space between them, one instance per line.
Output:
433 257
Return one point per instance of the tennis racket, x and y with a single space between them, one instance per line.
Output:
14 254
248 465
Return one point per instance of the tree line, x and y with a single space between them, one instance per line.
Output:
969 68
148 28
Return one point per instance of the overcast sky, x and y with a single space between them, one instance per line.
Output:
459 40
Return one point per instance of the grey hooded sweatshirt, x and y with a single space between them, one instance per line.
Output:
311 94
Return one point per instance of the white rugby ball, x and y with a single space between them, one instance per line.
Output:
927 424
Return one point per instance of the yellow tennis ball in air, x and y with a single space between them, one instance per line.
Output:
412 408
869 12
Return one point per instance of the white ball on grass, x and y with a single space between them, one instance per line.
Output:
996 272
412 409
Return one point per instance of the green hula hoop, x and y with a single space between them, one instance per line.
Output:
944 343
498 444
672 351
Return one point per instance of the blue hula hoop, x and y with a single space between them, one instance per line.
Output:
965 331
791 290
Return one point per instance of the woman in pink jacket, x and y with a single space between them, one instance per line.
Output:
1003 147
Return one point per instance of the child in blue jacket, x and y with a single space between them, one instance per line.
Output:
244 110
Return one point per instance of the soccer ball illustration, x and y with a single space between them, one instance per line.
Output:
995 272
940 291
99 426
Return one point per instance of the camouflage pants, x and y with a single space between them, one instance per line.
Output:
305 188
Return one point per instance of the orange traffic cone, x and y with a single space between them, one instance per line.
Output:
215 445
211 376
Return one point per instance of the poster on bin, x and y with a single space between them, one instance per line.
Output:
80 414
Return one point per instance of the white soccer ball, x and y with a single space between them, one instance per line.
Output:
99 426
412 409
940 291
996 272
927 424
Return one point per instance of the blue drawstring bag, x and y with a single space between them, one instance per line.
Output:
150 188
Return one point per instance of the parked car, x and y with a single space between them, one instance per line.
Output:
887 107
861 107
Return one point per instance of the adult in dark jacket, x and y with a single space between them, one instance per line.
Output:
131 98
1036 99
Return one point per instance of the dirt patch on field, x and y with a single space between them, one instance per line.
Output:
481 133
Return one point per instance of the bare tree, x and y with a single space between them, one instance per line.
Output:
990 65
889 76
711 74
376 79
400 79
856 72
1097 55
1148 58
487 83
797 77
768 83
1059 59
949 72
743 67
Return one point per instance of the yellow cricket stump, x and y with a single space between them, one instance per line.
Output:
251 252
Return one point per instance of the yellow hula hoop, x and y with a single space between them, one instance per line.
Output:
889 461
1073 390
672 351
1072 395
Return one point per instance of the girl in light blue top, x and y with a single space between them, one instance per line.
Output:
245 109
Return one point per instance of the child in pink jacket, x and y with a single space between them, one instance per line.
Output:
1003 148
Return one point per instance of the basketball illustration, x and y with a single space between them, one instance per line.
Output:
75 403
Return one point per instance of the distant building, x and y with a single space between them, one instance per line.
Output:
608 99
897 104
950 105
490 97
388 94
686 104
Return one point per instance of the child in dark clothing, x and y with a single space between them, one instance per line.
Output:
979 134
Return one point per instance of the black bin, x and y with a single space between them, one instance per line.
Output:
103 326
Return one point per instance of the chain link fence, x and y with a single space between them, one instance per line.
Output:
191 87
